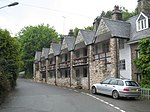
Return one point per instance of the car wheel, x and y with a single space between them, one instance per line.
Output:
115 94
94 91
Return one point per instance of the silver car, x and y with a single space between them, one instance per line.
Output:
116 88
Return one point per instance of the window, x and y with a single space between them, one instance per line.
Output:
105 46
77 53
77 72
137 53
122 65
142 22
131 83
66 57
84 72
120 83
121 43
106 81
84 51
113 82
67 73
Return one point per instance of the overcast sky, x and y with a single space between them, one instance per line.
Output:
61 14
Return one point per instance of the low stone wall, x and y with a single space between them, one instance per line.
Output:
51 81
37 76
63 82
84 83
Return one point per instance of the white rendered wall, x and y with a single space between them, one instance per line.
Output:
125 54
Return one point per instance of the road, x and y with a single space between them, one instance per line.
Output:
36 97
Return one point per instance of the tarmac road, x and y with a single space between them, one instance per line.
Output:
37 97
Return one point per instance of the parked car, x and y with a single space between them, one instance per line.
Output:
116 88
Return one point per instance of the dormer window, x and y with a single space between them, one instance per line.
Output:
142 22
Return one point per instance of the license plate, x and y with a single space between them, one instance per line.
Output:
134 90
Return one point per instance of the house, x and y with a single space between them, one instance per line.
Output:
52 69
43 64
65 61
140 28
36 66
107 51
82 57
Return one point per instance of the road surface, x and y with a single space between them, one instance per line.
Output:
37 97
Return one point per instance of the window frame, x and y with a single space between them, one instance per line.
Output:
143 23
122 64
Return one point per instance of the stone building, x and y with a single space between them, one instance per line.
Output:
107 51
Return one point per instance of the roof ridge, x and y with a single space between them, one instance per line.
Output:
121 21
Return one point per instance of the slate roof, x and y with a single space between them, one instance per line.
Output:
88 36
55 49
118 28
37 56
134 35
70 40
45 52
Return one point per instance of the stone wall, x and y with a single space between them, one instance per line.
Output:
63 82
114 50
98 72
133 56
38 76
84 82
51 81
144 6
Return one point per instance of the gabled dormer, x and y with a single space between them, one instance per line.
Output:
142 22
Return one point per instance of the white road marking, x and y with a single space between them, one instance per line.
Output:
76 91
107 103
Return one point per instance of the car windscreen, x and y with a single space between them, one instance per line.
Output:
131 83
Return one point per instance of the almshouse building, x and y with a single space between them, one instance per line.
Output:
107 51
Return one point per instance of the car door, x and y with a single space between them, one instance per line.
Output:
112 85
102 88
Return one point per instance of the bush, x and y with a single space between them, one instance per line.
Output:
4 87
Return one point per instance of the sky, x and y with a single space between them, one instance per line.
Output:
63 15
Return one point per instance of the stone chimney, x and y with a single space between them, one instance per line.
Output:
71 32
96 24
116 13
144 6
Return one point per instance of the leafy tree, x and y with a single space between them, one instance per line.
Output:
126 14
143 62
76 30
88 28
34 38
9 62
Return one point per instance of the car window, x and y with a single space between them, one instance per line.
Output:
120 82
106 81
131 83
113 82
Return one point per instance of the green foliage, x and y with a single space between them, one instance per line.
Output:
88 28
32 39
143 62
76 30
4 87
9 62
126 14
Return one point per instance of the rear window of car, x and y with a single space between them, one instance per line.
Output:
131 83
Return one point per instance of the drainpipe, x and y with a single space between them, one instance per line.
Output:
117 58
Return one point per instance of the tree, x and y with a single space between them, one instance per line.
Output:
143 62
76 30
88 28
126 14
9 62
32 39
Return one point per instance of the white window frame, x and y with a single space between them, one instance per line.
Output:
142 24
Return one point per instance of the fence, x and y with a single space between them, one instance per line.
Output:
145 92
